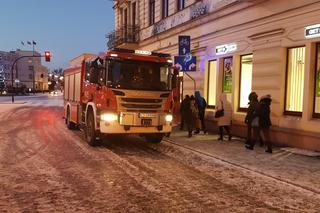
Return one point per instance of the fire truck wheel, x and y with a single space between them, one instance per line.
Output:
90 132
69 123
154 138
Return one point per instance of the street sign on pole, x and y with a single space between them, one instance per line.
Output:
185 63
184 45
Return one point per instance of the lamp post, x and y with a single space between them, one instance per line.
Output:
12 81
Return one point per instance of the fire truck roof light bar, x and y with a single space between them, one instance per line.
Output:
143 52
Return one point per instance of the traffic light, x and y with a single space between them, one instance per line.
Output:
47 56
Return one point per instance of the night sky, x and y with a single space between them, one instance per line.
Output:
65 27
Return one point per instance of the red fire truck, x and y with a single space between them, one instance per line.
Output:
121 92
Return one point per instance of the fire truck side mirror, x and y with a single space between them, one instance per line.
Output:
174 78
94 76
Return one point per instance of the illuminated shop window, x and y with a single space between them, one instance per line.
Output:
317 84
245 80
294 80
212 82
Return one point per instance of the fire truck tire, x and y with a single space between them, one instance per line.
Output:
69 123
90 132
154 138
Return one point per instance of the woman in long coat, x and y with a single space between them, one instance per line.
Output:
252 113
224 122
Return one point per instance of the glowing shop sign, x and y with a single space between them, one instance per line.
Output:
226 48
312 31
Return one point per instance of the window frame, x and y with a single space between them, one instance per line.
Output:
152 10
242 109
286 112
314 113
211 106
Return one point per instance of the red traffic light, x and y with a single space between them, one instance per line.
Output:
47 55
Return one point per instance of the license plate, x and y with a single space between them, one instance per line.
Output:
147 115
146 122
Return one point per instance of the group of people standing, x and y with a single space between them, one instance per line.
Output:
192 112
257 119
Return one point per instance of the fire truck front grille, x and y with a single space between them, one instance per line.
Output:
141 100
141 106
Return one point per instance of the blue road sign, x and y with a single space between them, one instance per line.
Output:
184 45
185 63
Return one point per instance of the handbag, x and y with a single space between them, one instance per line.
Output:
220 112
255 122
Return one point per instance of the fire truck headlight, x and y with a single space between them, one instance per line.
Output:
168 118
109 117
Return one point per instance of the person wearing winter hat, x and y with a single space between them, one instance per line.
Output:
202 104
252 113
264 121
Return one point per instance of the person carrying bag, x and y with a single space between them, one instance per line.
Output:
224 116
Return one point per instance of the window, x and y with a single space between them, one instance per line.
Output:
212 82
317 84
165 8
139 75
151 12
245 80
294 81
227 75
133 14
31 68
180 5
125 24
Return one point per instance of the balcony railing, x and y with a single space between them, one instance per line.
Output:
123 35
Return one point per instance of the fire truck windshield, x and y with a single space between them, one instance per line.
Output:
139 75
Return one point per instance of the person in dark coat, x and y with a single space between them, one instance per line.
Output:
252 113
191 115
202 104
183 108
264 121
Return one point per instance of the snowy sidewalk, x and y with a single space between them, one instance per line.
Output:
303 171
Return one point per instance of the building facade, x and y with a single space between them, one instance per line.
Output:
266 46
28 71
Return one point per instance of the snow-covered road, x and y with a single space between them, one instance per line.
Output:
47 168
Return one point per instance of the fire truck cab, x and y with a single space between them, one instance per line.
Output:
121 92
